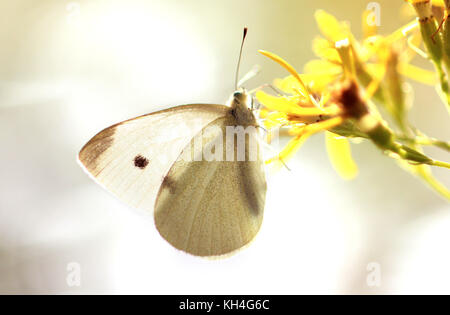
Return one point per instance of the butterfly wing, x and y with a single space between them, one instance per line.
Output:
131 158
209 208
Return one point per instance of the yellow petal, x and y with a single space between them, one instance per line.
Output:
374 46
282 104
315 82
326 96
324 125
339 154
418 74
288 84
315 127
289 150
318 66
330 27
376 70
417 1
263 113
438 3
274 120
324 50
369 47
301 137
349 58
318 82
290 69
402 31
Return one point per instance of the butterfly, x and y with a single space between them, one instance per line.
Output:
198 167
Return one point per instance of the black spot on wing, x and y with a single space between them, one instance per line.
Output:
140 161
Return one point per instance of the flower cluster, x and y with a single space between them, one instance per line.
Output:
342 91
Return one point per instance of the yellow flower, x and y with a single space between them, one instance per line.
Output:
304 115
339 153
339 51
370 62
328 96
335 92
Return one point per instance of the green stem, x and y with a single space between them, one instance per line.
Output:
440 164
423 140
444 84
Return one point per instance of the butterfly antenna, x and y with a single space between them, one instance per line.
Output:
239 60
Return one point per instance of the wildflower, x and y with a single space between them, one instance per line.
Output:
304 116
335 92
374 59
344 102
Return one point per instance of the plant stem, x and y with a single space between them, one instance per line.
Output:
440 164
444 84
423 140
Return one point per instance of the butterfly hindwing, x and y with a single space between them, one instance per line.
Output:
210 208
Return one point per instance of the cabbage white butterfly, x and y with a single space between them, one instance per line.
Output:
188 163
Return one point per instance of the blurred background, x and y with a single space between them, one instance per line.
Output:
70 68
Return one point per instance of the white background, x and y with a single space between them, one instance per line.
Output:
70 68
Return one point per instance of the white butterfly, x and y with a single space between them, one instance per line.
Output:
205 207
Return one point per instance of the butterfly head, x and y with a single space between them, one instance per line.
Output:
240 96
241 105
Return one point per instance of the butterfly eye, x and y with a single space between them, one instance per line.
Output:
240 97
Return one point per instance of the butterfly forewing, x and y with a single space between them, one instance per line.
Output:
131 158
